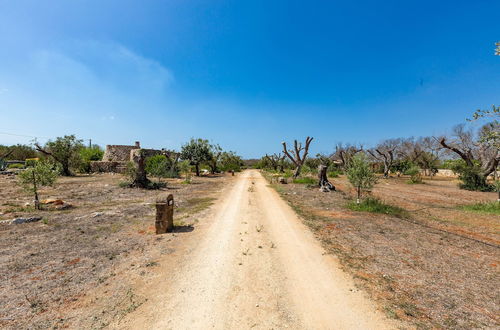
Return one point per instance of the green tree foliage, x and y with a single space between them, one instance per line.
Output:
18 152
196 151
42 174
185 167
414 173
229 161
401 166
158 166
215 156
360 174
89 154
64 151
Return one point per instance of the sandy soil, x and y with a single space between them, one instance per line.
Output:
251 264
75 268
436 269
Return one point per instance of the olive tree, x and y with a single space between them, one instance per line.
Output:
65 151
360 175
480 154
298 155
386 153
42 174
196 151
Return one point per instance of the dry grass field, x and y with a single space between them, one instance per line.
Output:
435 267
105 240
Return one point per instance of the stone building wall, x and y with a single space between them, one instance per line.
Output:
116 157
119 153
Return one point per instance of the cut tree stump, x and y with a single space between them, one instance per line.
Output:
164 215
324 184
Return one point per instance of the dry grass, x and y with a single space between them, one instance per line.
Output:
436 269
46 268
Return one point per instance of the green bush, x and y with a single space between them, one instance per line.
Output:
87 155
334 174
485 207
31 162
473 180
415 176
305 180
15 166
376 206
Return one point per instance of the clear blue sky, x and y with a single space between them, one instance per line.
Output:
245 74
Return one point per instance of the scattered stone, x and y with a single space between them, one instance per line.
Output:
282 180
18 221
96 214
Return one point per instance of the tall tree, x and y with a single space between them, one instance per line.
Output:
65 151
196 151
295 154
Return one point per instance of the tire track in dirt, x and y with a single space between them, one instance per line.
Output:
255 266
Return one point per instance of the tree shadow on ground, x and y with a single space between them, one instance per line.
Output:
183 229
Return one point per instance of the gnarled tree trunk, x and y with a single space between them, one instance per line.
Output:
139 159
324 184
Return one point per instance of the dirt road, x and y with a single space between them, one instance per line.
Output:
253 265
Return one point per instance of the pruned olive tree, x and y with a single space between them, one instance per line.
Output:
480 155
298 155
344 154
276 161
386 153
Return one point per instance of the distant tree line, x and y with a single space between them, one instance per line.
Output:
474 154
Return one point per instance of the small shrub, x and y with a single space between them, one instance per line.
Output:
334 174
415 175
473 180
31 162
376 206
360 175
485 207
87 155
31 179
305 180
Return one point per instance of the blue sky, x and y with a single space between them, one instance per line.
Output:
245 74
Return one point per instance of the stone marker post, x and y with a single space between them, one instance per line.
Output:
164 215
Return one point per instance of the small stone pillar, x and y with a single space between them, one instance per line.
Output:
164 215
137 144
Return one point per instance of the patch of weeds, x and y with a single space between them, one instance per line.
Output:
152 264
391 313
17 209
484 207
377 206
409 309
45 221
124 184
305 180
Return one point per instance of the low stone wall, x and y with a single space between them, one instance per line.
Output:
103 166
